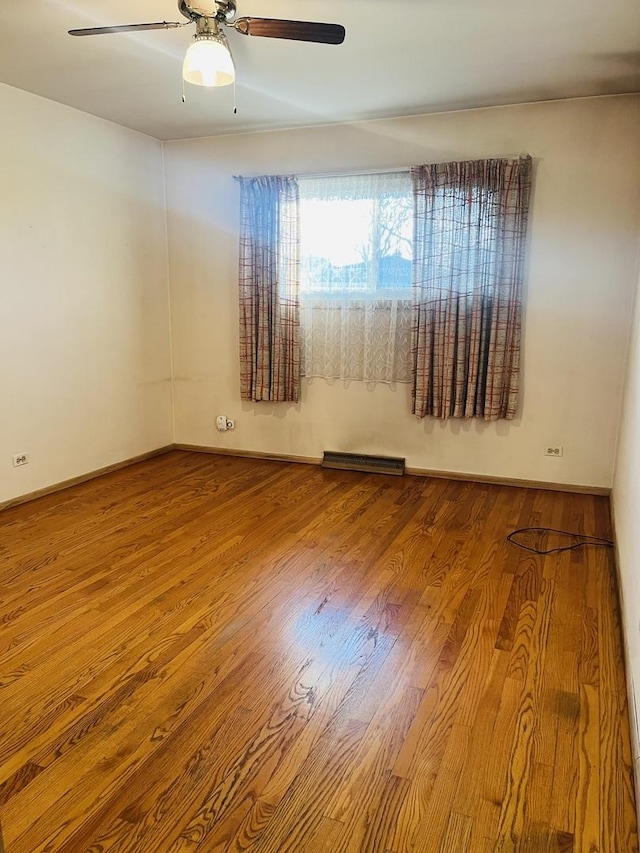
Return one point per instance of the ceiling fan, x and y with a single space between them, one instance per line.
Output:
208 61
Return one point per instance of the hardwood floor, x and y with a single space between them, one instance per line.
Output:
217 654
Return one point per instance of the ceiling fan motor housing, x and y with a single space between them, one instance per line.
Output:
221 10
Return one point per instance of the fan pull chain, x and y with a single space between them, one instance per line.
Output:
235 103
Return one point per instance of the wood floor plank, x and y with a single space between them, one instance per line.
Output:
494 770
488 729
616 781
434 822
457 834
357 798
244 656
587 823
511 830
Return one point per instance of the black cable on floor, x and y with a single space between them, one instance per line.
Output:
583 540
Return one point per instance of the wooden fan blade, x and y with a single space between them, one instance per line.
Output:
296 30
125 28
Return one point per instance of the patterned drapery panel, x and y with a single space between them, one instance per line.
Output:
269 272
469 245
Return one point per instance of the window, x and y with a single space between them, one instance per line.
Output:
404 277
356 237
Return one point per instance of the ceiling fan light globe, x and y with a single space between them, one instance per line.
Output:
208 62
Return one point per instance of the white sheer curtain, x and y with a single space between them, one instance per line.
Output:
356 235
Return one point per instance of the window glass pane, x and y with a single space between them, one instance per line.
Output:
356 236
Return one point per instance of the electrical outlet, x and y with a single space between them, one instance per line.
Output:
20 459
556 450
231 424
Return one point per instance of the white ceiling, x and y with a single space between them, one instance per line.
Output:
400 57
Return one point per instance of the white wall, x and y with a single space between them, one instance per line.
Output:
85 374
626 511
580 284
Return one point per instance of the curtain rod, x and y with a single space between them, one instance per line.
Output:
398 170
401 170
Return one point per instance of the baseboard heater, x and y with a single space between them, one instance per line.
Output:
362 462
